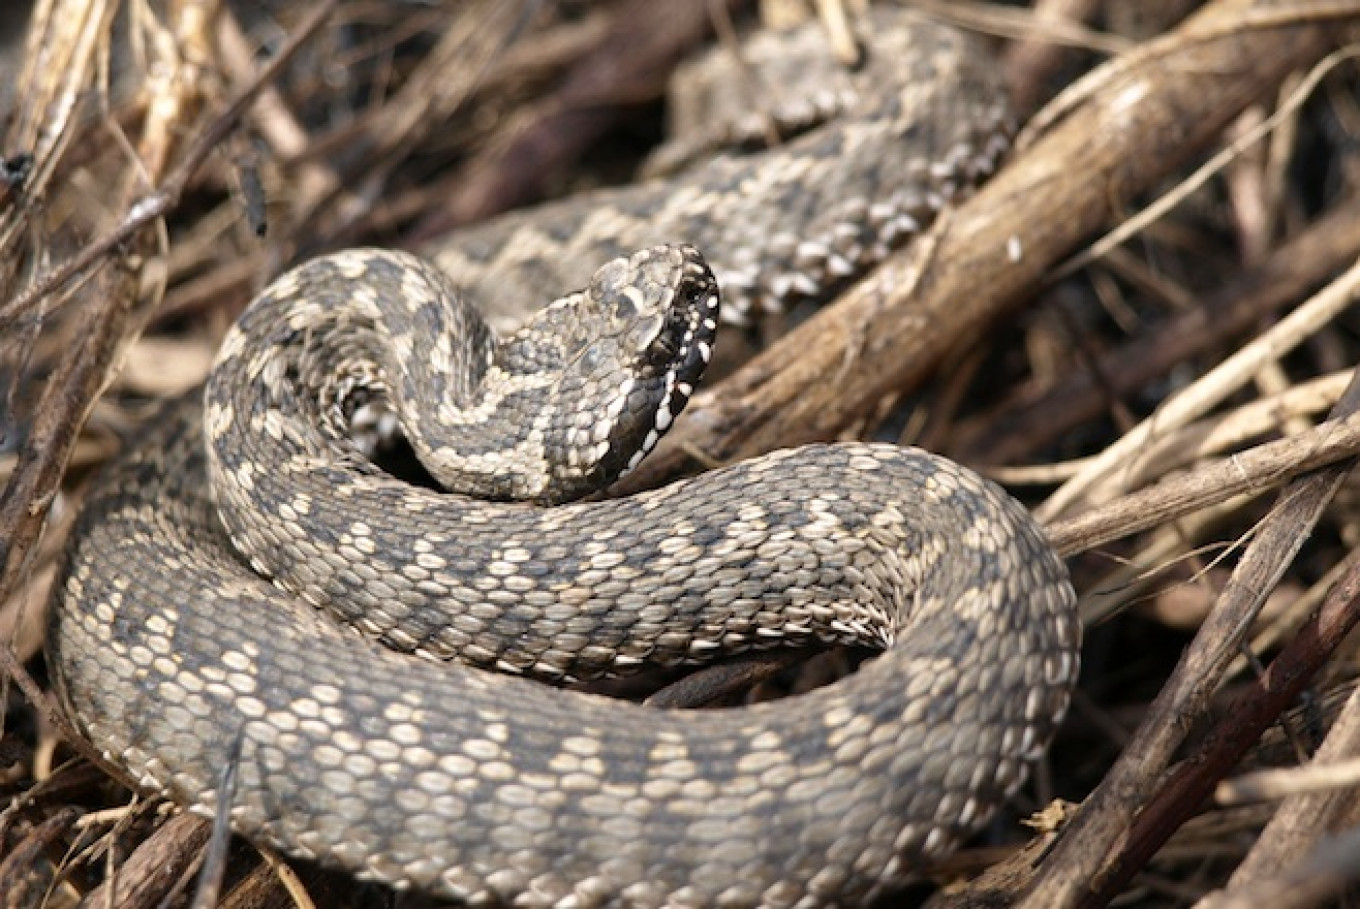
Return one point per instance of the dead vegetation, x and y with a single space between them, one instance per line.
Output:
1143 325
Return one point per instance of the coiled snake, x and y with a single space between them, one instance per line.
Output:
185 625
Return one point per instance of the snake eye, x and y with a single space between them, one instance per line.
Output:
625 307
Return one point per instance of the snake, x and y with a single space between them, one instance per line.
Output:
246 590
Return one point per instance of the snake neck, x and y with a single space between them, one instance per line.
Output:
560 409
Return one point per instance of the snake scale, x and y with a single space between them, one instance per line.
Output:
193 618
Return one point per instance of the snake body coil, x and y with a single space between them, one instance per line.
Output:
920 120
188 623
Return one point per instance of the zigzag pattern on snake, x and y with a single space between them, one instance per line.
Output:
919 122
188 620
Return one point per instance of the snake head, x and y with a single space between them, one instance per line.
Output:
658 314
651 310
624 354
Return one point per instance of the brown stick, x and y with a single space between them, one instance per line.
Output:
1252 471
1097 852
1243 723
172 849
1303 819
1032 64
1144 115
1316 880
147 209
631 66
21 884
1026 421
